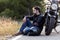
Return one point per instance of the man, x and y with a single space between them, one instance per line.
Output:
36 26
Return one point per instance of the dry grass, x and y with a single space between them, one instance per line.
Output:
8 27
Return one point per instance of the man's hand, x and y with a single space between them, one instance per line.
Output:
35 23
24 19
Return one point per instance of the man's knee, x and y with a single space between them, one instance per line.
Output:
24 19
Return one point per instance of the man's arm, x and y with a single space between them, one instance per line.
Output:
27 17
30 17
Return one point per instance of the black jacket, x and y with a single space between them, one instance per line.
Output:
39 19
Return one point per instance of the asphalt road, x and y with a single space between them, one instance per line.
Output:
53 36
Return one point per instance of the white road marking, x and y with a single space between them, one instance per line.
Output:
17 37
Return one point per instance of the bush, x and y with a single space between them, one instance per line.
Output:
7 12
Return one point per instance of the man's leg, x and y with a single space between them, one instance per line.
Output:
35 31
30 31
26 30
26 24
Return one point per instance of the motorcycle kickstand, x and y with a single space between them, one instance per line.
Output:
56 31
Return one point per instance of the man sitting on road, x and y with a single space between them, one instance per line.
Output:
34 28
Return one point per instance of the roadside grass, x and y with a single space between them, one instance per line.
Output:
8 27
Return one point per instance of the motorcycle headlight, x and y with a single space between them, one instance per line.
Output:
54 6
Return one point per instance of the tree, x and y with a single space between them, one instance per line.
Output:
19 7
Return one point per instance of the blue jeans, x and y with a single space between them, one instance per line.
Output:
27 26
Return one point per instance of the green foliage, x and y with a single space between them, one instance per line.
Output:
7 13
18 8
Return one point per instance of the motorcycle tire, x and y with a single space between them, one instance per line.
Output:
49 26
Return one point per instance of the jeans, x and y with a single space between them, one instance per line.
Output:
27 27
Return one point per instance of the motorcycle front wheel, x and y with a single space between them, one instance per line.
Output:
49 26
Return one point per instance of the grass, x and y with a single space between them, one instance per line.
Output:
8 27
